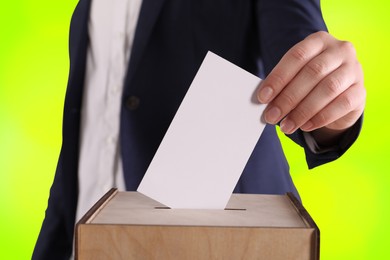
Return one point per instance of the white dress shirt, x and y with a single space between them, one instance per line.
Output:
111 27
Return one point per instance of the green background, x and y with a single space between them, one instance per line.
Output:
349 199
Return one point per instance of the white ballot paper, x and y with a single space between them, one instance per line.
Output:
209 141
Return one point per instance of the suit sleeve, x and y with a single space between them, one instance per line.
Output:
282 24
53 241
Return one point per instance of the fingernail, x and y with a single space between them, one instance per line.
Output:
265 94
287 126
272 115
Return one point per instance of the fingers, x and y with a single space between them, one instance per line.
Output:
291 63
317 83
348 106
301 86
327 91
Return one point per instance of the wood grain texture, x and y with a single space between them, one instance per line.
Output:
169 242
127 225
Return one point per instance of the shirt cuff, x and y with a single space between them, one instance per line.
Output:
314 146
345 142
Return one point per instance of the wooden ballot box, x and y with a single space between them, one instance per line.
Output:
129 225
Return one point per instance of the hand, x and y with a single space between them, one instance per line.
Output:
317 85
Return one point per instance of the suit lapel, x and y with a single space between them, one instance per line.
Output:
78 43
149 12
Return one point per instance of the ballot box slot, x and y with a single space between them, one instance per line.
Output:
224 209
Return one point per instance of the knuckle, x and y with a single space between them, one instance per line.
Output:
301 114
299 53
321 34
288 100
333 86
347 102
347 47
276 80
361 95
321 119
316 68
359 71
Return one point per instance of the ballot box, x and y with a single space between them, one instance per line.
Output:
129 225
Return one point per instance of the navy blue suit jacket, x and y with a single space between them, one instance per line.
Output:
171 40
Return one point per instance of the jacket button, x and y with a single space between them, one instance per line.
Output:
132 103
